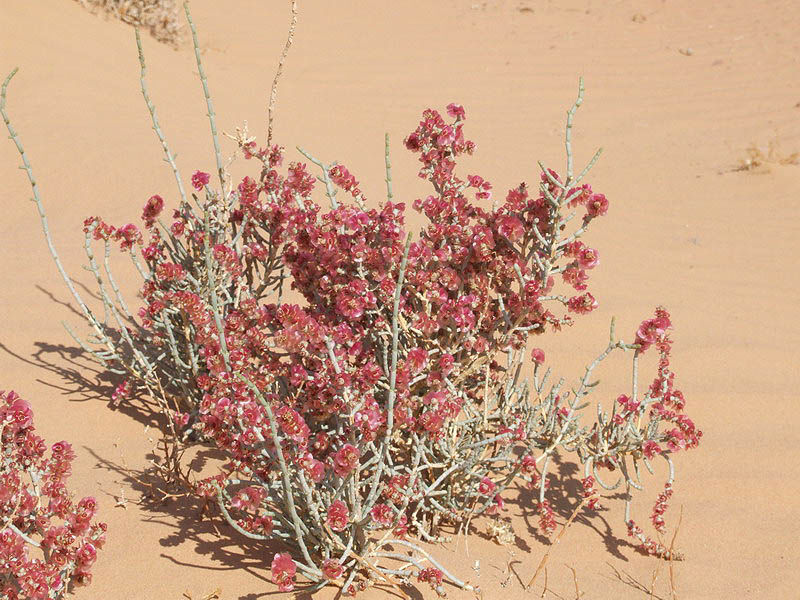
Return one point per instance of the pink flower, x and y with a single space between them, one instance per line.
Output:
18 412
350 304
338 515
316 470
284 570
293 425
579 195
413 143
516 198
263 524
416 359
537 356
496 506
249 498
456 111
299 180
432 575
177 228
446 363
181 419
583 304
576 278
588 258
597 206
344 179
401 529
86 509
660 507
486 486
382 513
345 460
368 420
651 331
86 555
152 209
628 405
475 181
200 179
100 230
510 227
431 421
321 442
127 236
62 451
167 271
650 448
332 569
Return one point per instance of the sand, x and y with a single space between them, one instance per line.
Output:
675 97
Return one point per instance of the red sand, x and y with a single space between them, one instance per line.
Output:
675 101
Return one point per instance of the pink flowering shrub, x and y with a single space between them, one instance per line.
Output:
399 391
48 542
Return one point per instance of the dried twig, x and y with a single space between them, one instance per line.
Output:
273 95
578 592
672 555
546 557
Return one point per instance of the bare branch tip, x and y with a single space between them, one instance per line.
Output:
7 81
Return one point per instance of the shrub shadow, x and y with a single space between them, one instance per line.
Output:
564 488
79 377
188 519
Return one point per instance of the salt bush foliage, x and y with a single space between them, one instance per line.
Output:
48 542
399 392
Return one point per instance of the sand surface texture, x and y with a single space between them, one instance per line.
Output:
676 93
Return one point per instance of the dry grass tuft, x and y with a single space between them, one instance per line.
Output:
159 17
215 595
758 161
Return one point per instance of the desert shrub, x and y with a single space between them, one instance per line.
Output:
389 399
159 17
48 542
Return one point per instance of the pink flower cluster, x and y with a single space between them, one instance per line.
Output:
324 397
547 520
345 180
284 570
649 546
338 515
127 236
200 180
344 261
669 402
36 509
590 493
431 575
660 507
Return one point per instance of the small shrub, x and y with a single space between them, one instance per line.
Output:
48 542
159 17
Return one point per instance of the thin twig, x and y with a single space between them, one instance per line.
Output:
273 95
672 556
212 116
578 592
40 207
546 557
169 157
